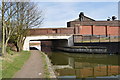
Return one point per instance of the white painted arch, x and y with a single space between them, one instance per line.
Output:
69 39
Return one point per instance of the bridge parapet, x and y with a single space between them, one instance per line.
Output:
51 31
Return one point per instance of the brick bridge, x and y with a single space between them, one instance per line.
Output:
57 40
66 37
83 26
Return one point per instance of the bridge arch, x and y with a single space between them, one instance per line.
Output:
62 40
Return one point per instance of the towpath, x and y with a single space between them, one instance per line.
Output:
33 68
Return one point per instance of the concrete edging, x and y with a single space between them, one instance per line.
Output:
50 68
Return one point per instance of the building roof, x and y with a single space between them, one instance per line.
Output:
84 20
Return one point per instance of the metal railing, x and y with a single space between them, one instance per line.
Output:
95 38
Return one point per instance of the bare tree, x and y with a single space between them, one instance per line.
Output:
8 11
17 18
27 16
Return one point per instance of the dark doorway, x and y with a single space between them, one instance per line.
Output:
33 48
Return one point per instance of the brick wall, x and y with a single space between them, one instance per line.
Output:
46 31
85 30
97 23
46 46
67 31
114 30
100 30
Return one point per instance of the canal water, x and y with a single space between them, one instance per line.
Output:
81 65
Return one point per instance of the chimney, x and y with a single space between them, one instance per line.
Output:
108 19
113 18
81 15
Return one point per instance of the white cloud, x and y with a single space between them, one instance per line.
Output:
58 14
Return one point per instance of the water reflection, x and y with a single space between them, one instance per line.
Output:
85 65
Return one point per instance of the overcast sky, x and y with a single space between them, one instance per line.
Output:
57 14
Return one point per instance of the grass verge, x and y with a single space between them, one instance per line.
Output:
0 68
46 71
12 63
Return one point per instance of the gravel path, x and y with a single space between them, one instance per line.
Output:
33 68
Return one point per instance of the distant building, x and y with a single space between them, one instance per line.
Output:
87 26
84 26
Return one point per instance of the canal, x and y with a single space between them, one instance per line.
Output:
81 65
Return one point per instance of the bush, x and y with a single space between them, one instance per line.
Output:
8 49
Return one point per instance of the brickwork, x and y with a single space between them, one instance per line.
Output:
99 30
114 30
92 27
115 23
46 46
83 26
85 30
46 31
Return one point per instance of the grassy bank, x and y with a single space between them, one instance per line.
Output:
0 68
48 71
12 63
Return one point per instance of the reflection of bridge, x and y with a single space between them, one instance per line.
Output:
86 72
83 66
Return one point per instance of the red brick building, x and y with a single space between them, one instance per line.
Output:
83 26
87 26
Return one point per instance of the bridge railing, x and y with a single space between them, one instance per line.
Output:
95 38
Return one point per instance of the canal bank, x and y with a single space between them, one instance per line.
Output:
48 68
93 47
84 49
111 47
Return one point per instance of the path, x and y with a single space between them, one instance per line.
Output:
33 68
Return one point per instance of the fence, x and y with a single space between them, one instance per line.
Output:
95 38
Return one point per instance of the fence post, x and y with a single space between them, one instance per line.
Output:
82 38
90 38
109 38
99 38
73 38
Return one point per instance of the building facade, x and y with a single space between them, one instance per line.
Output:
83 26
87 26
